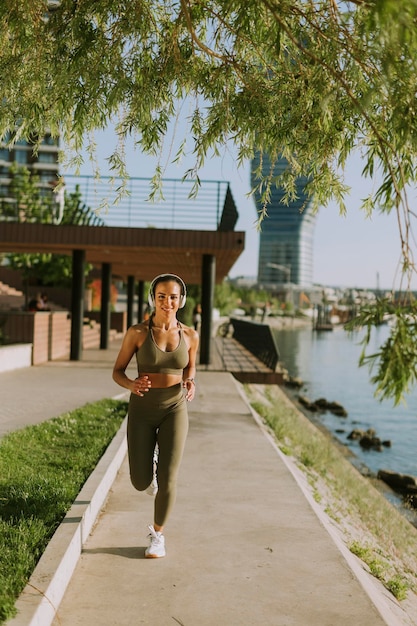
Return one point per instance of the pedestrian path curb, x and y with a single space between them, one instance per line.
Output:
39 601
388 607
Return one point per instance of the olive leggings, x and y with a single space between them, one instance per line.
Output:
159 417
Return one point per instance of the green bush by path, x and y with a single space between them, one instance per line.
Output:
42 469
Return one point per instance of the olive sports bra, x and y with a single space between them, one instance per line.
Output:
151 359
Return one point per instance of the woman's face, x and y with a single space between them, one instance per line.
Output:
167 296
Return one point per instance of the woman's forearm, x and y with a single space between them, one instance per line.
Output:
119 377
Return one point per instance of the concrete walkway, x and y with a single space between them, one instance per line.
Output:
34 394
246 545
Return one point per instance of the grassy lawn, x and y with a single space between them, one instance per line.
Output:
371 527
42 469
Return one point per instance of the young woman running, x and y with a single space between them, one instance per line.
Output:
165 352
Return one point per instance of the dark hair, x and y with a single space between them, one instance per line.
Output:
163 278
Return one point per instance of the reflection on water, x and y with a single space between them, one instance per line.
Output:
327 362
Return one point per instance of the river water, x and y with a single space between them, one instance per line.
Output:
327 362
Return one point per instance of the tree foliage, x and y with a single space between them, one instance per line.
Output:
313 80
393 365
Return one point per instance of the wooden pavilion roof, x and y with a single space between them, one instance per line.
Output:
139 252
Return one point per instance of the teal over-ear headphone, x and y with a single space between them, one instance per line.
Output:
163 278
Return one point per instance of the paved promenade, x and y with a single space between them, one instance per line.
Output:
33 394
246 544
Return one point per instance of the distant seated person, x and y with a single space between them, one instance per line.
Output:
44 302
40 303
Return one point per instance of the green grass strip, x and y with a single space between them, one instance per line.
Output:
42 470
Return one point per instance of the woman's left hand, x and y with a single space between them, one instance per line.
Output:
189 385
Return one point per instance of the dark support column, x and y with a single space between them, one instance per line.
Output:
141 300
130 299
77 304
105 305
208 279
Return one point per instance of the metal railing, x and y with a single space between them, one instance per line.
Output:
258 339
177 210
108 201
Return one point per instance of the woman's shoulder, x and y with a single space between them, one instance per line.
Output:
138 332
142 327
189 332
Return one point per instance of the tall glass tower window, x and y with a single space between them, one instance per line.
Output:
287 235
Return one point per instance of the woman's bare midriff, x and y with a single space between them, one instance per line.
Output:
161 381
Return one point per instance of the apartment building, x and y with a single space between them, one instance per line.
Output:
44 163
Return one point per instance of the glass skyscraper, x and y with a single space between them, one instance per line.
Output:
286 239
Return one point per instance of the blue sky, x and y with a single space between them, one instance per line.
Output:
352 251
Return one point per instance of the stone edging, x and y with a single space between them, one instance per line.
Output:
387 606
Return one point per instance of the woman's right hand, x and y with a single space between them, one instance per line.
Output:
141 385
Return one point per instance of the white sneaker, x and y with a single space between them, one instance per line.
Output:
152 490
156 547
